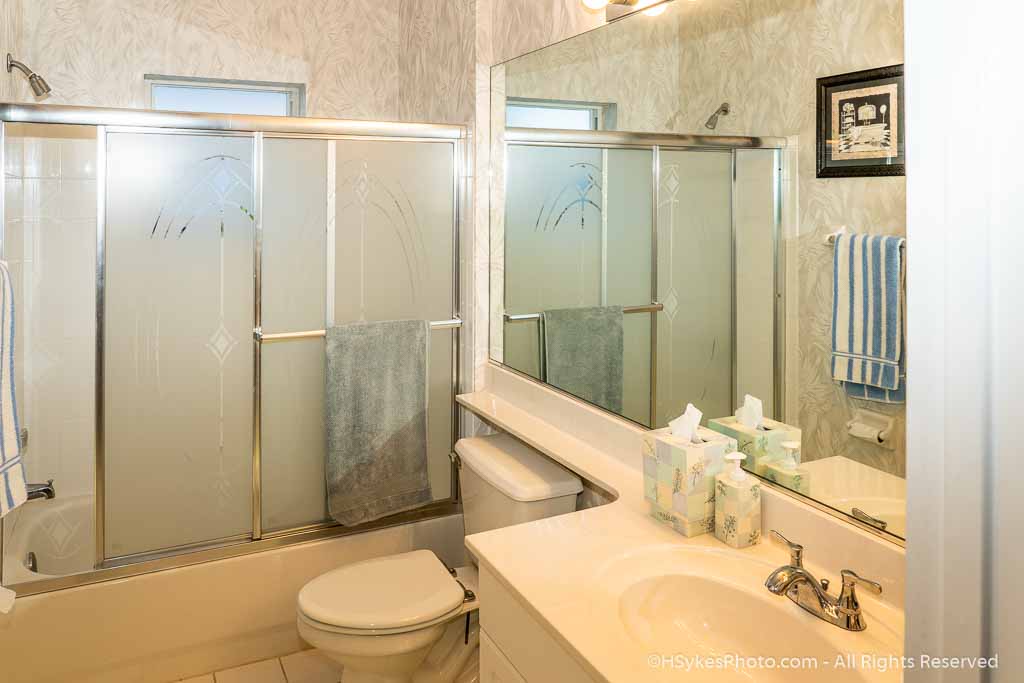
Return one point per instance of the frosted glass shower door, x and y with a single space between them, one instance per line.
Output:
353 230
394 258
177 340
695 283
577 233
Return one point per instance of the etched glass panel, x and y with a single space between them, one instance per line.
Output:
695 283
178 355
578 227
394 258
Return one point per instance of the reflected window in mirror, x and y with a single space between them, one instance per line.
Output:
564 115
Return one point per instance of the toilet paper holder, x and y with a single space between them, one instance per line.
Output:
872 427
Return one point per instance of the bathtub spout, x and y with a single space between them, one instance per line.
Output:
41 491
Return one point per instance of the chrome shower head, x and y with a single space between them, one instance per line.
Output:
723 110
38 84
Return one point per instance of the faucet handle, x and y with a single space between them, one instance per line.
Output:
796 551
851 580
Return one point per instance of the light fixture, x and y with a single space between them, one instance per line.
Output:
616 9
654 11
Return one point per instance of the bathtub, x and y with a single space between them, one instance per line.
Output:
60 534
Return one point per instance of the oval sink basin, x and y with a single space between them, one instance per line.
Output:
689 616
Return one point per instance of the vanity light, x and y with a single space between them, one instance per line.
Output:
654 11
628 7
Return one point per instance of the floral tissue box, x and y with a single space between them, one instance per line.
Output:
679 478
761 446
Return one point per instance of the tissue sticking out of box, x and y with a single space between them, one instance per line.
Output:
751 413
685 426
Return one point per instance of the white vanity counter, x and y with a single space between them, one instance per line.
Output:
609 594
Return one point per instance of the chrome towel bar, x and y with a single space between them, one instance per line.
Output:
452 324
648 308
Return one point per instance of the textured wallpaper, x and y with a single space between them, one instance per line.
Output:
363 59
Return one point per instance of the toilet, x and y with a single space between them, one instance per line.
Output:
407 618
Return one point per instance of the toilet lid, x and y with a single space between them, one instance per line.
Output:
383 593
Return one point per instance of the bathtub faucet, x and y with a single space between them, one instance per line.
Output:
40 491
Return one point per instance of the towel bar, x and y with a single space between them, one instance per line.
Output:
830 238
649 308
257 334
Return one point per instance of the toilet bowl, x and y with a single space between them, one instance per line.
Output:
406 618
381 619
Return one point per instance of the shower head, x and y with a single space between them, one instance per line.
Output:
38 84
723 110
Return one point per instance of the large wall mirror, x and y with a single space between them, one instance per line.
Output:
660 236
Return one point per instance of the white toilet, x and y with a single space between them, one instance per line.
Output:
404 618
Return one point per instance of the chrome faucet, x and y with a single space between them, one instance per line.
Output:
41 491
797 584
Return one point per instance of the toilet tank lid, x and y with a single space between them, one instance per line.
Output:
515 469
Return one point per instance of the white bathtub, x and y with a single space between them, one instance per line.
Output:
60 534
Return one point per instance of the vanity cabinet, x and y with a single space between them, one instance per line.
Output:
494 665
514 646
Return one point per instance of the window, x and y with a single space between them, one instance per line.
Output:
525 113
172 93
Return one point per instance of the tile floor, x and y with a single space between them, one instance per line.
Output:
308 666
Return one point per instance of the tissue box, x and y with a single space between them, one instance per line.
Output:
798 479
761 446
738 511
679 478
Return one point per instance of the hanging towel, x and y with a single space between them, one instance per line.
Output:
12 471
867 311
376 419
583 353
866 392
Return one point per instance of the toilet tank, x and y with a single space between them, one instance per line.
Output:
505 482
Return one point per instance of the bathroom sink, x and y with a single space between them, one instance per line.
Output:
696 616
704 612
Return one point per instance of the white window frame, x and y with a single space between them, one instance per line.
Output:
295 92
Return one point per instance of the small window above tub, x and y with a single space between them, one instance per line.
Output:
224 96
564 115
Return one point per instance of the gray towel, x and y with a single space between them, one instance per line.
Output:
376 419
583 353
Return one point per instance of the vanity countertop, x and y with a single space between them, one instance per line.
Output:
570 571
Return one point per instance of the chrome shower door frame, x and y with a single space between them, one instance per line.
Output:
258 128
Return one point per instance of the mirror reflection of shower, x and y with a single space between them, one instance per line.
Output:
38 84
723 110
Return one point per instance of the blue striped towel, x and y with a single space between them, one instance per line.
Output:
867 315
12 471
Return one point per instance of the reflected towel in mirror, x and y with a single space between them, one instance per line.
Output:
583 353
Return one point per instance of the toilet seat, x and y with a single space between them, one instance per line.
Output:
382 596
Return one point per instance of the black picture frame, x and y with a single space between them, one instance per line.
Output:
859 134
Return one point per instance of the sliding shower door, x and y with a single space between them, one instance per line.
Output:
173 289
578 232
695 282
177 350
352 231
